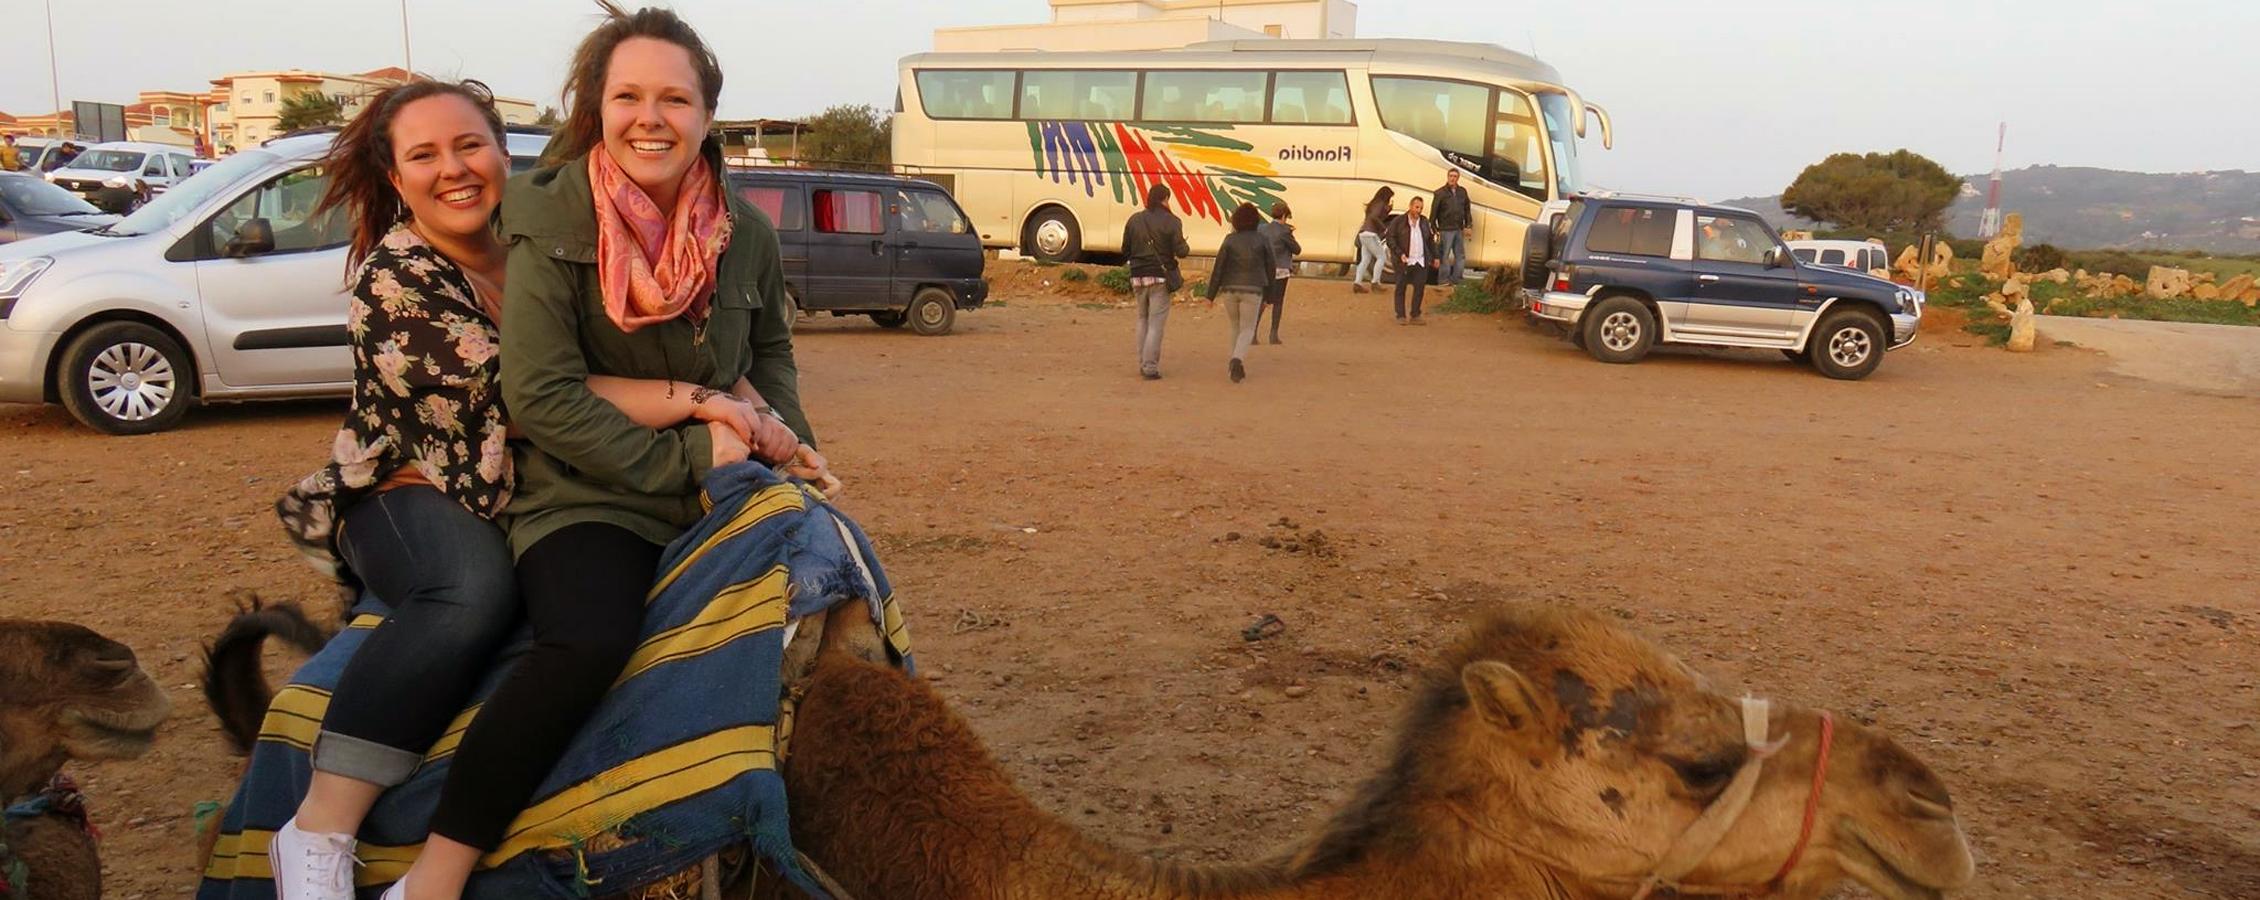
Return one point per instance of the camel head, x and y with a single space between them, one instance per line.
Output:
68 693
1554 740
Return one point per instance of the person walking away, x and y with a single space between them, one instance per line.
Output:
1454 214
11 160
1244 267
1413 240
1153 240
1370 247
1280 234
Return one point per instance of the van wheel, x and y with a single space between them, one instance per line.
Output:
1848 345
932 311
1053 237
125 378
1619 330
889 319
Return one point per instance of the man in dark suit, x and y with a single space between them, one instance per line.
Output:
1412 240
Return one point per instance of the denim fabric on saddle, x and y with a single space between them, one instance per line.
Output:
679 761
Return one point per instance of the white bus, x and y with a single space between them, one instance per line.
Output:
1051 152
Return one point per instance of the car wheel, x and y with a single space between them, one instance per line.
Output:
1054 237
1619 330
125 378
889 319
932 311
1847 345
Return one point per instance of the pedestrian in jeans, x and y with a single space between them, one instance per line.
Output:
1244 267
1413 240
1153 240
1280 234
1370 249
1453 216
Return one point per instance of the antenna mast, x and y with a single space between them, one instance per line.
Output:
1990 225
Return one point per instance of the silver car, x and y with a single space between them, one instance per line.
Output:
224 288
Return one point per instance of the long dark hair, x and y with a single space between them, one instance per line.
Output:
1157 196
1384 195
360 163
592 62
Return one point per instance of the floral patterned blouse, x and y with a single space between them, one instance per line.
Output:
426 393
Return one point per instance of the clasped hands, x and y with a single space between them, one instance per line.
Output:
741 432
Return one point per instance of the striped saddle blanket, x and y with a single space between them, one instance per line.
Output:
677 763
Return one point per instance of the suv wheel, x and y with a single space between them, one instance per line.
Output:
125 378
932 311
1619 330
1053 237
1847 345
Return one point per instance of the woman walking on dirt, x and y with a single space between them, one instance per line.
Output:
420 470
1153 240
1244 267
1280 234
1370 248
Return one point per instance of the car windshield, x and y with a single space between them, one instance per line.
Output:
191 193
1561 130
35 197
109 160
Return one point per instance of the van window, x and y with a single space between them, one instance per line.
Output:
1315 98
1236 96
782 203
1804 253
950 94
1832 257
1072 95
156 166
848 212
1633 230
929 212
287 203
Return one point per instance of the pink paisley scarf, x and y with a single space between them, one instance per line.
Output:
655 265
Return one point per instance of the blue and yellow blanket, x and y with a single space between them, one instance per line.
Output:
679 761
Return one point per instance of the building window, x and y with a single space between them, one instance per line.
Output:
247 98
1236 96
966 94
1316 98
270 96
1088 95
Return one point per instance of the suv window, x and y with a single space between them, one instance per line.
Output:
848 212
781 202
930 212
1633 230
1832 257
287 203
1736 239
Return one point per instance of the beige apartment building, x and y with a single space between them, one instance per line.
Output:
1157 25
243 107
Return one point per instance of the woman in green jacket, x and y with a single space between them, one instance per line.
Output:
628 257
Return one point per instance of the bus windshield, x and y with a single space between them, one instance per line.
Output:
1490 131
1561 130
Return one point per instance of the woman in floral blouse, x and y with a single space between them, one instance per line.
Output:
421 469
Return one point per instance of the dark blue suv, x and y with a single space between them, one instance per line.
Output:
1623 273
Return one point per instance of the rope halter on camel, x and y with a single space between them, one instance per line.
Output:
1701 839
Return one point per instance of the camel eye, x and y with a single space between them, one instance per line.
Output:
1706 776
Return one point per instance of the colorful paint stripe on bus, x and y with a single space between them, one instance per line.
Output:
1208 172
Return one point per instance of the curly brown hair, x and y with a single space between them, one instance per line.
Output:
592 63
360 163
1246 217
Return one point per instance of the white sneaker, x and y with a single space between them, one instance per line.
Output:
309 865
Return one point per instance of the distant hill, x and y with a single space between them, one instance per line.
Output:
2084 208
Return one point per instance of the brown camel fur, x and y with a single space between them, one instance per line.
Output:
1551 754
66 694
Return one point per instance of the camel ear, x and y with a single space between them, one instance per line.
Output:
1500 695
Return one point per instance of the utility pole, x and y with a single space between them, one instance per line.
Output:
54 82
407 56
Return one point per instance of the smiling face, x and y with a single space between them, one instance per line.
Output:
654 115
447 165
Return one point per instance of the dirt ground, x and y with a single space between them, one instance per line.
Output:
2039 575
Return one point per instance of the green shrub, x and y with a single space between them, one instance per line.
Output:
2039 258
1116 279
1199 287
1075 275
1470 297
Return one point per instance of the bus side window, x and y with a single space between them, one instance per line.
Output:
1317 98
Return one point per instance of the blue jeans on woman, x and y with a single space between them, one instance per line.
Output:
1371 253
448 577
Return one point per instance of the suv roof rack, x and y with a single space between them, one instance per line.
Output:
1630 195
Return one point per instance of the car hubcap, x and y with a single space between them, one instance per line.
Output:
1051 237
1620 331
930 314
1849 347
131 382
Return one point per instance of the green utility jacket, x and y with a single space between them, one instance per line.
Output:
581 459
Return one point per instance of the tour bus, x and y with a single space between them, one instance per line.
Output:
1050 153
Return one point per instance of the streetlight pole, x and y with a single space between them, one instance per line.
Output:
407 55
54 82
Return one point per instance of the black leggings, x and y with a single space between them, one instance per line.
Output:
584 588
1275 298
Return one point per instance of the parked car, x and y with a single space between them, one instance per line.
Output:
30 207
43 155
1859 256
122 175
896 249
1623 273
224 288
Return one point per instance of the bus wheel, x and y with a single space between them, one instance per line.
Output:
1053 237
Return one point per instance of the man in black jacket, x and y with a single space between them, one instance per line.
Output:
1412 240
1153 241
1453 216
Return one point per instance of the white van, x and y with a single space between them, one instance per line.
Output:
1859 256
122 175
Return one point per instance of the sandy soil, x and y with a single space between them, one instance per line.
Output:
2035 572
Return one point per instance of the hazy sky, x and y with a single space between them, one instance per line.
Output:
1716 99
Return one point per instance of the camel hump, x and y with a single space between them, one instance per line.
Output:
235 682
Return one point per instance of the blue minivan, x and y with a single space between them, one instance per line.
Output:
896 249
